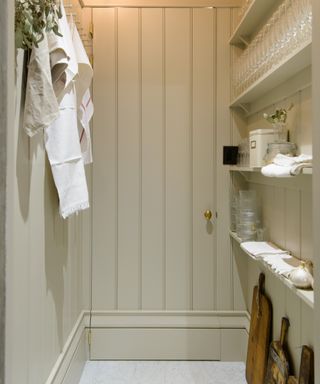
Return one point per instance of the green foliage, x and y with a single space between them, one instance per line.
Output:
279 116
33 18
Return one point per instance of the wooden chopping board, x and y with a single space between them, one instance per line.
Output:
259 335
306 375
278 363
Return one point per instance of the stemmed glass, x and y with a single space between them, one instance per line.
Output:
287 30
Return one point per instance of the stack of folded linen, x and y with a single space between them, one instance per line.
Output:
278 260
260 249
287 166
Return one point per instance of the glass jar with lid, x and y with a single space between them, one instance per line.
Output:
285 148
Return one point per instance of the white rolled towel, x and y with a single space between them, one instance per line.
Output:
287 161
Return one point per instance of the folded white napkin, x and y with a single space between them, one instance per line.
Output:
261 248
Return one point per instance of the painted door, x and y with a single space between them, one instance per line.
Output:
154 174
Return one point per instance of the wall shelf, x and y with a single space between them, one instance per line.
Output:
235 168
306 295
250 21
288 68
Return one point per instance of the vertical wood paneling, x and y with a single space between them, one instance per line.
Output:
178 194
155 159
278 220
39 316
105 192
44 273
153 274
17 265
223 123
129 147
306 223
293 221
203 158
305 122
293 312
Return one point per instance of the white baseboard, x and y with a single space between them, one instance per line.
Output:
171 319
70 363
169 335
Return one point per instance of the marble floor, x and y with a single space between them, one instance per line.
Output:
162 372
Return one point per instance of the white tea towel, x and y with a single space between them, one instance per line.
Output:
84 101
298 168
64 66
85 115
64 153
286 166
41 106
59 60
260 248
282 264
63 145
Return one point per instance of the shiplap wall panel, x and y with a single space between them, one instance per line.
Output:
129 157
306 225
277 217
154 150
240 278
38 239
204 263
178 158
307 328
304 138
156 344
105 227
153 160
293 221
286 213
44 275
293 312
224 278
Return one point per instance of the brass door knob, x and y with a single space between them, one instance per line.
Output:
208 214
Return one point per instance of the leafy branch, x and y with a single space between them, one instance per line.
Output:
33 18
279 116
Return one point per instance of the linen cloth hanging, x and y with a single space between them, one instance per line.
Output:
41 107
62 138
51 104
84 100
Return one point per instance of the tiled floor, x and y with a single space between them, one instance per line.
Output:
162 372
